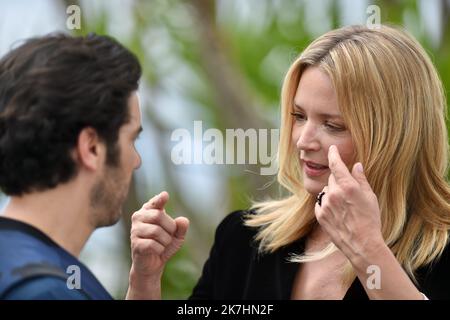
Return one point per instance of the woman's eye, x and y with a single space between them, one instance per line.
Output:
332 127
298 116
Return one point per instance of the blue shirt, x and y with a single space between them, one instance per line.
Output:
33 266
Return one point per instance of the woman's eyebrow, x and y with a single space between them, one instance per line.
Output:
320 114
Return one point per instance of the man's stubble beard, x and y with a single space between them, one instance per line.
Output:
107 197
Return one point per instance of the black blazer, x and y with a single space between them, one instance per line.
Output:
235 270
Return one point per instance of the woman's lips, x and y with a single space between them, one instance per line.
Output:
313 172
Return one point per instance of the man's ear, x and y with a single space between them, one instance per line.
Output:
90 149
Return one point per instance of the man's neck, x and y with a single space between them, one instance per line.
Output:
61 213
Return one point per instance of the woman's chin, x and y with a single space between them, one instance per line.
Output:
314 187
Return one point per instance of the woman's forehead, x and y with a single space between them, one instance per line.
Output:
315 94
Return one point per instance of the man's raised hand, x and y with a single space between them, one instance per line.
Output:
155 238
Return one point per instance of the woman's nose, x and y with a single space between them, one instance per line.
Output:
307 140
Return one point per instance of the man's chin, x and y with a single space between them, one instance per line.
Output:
112 220
117 217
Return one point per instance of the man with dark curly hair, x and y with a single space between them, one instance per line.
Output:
69 116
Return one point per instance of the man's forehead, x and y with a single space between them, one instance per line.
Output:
134 122
135 110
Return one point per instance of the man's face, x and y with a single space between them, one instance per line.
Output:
111 190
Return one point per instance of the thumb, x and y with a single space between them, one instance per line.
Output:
180 233
158 201
182 227
358 174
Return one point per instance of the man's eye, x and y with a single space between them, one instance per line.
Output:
136 138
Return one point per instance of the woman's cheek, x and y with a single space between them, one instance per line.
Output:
346 151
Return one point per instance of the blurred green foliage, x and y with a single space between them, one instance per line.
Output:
233 66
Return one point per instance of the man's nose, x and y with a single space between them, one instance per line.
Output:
138 161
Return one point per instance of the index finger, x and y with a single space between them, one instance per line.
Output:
336 165
157 202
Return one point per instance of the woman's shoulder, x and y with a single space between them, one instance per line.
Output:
441 262
233 228
224 273
236 219
435 277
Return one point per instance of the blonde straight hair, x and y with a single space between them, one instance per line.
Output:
393 103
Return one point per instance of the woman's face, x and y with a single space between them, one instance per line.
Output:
318 124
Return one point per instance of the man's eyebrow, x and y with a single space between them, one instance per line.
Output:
323 115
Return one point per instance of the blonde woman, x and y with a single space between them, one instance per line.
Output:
363 153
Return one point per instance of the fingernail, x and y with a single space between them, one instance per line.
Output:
359 167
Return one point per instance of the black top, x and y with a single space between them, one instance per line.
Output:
235 270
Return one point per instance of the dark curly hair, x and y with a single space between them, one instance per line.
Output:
51 88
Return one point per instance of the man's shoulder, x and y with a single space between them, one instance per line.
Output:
44 288
22 245
35 267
